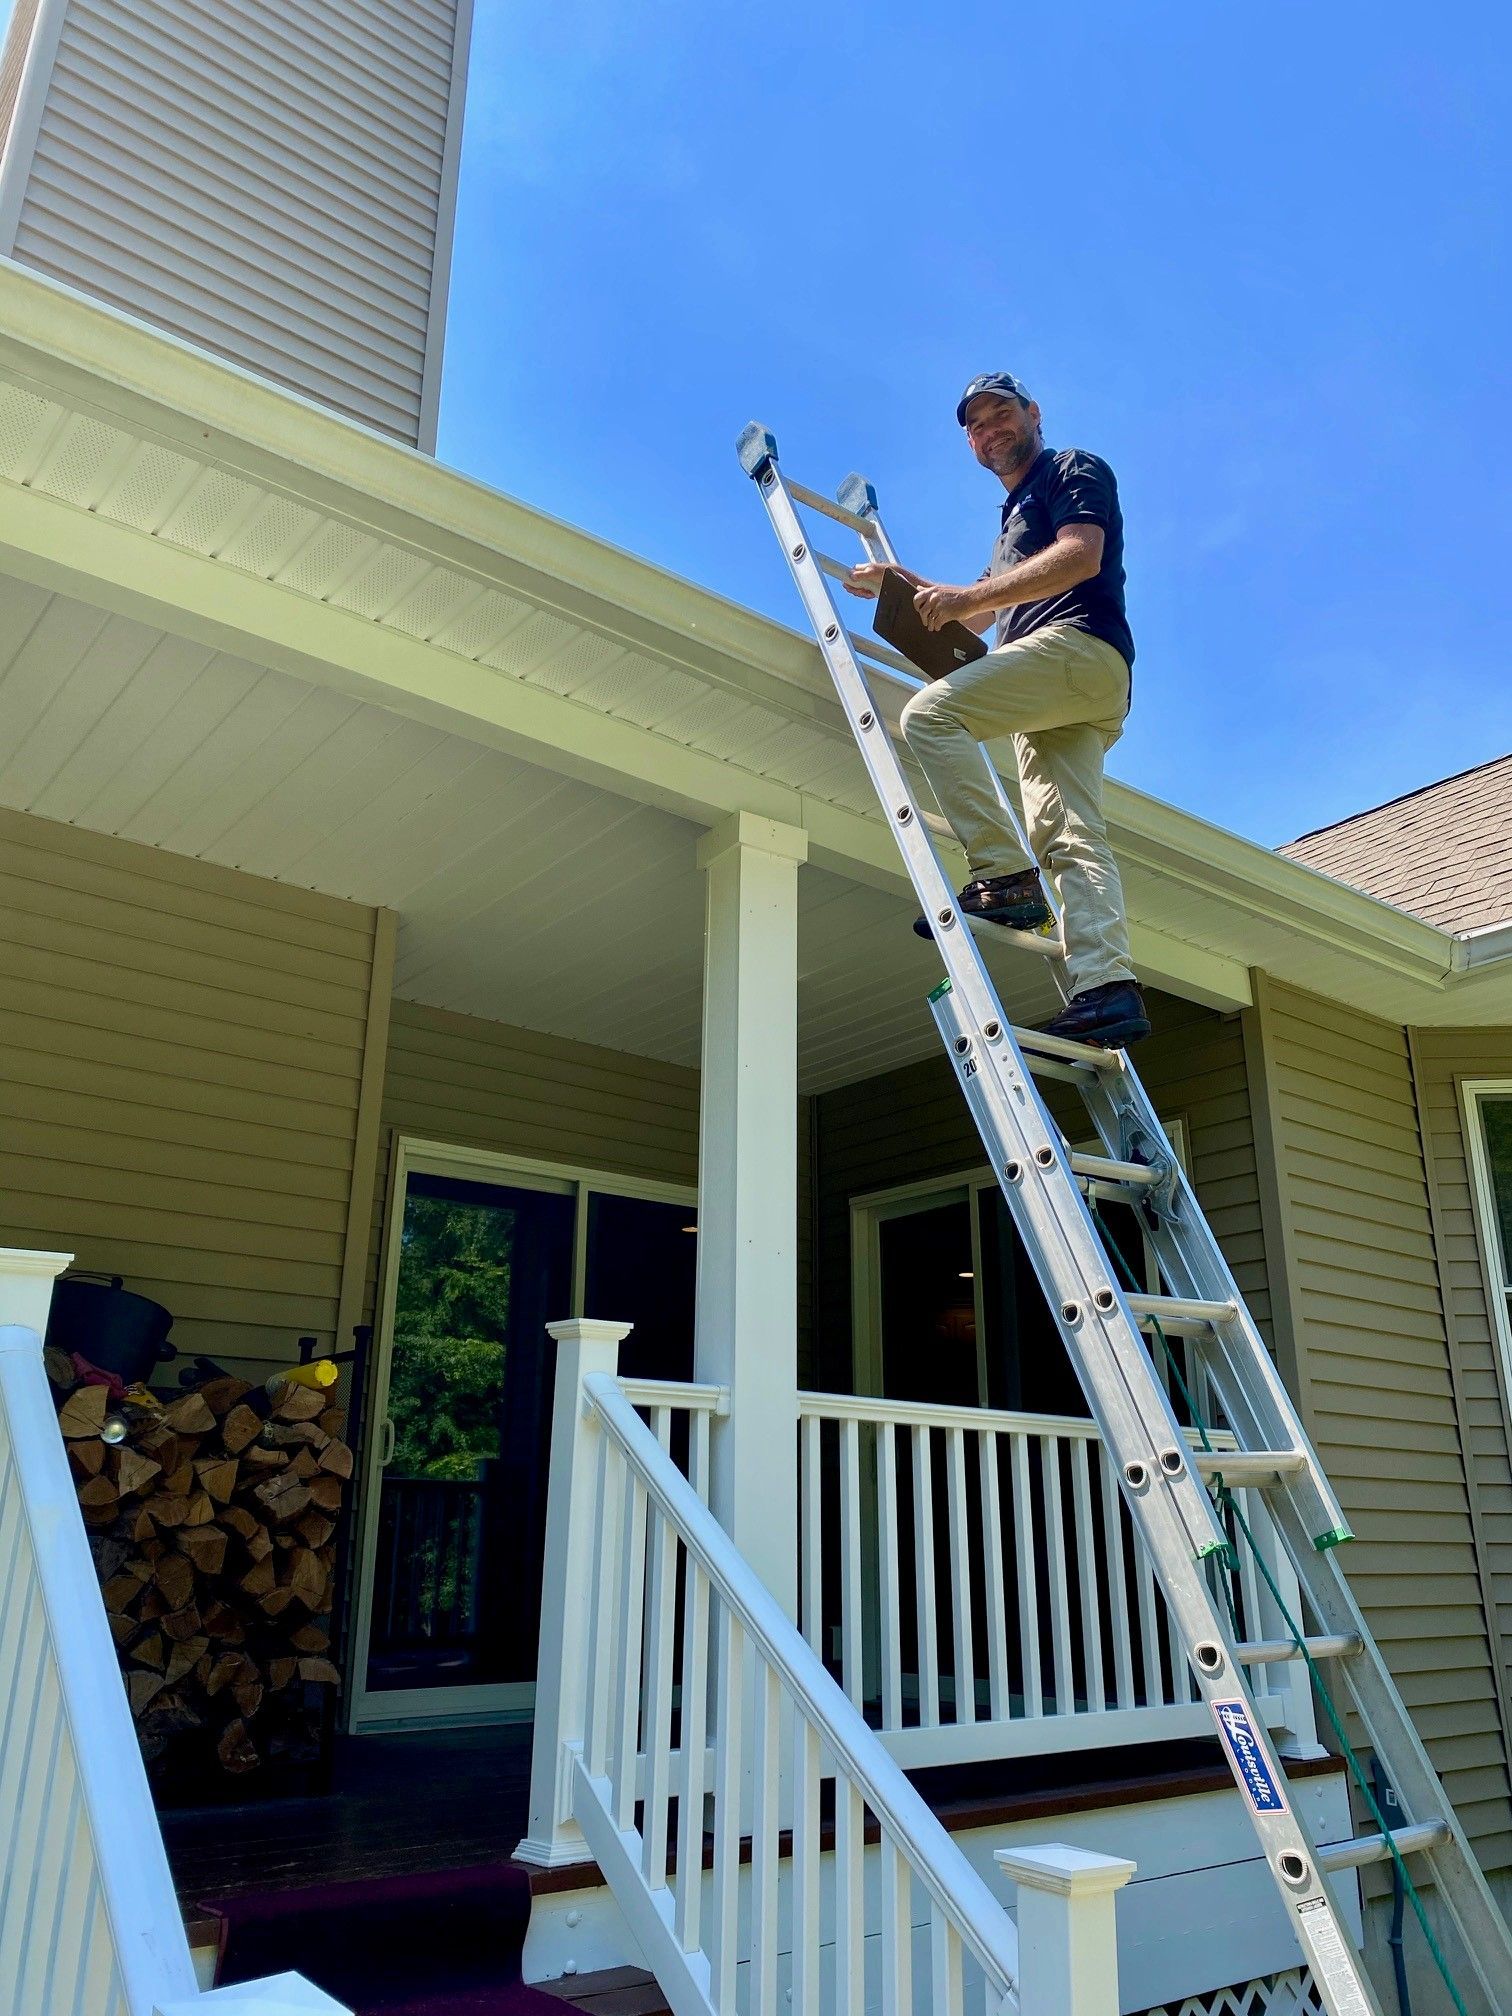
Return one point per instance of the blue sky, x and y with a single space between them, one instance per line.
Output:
1255 256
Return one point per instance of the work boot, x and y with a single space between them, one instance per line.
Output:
1015 901
1113 1015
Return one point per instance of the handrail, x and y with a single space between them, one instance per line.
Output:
683 1395
814 1406
77 1661
962 1897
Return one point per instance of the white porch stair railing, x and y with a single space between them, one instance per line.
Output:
764 1849
973 1580
90 1923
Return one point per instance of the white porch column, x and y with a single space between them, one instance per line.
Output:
1068 1942
747 1323
583 1346
26 1285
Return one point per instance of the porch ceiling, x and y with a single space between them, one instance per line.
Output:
522 895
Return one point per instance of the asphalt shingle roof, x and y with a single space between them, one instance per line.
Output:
1443 853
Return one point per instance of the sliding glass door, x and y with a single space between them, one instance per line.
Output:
481 1256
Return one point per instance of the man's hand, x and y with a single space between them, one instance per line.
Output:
938 604
866 578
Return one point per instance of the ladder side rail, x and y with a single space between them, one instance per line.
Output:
1391 1732
1088 1306
1242 1373
1291 1853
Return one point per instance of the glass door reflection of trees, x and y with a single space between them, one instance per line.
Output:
483 1267
482 1270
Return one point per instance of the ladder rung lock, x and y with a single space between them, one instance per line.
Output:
1176 1312
1276 1651
1249 1466
1366 1848
831 509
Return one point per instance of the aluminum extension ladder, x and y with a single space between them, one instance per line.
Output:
1164 1481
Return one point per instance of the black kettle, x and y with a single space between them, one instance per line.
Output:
95 1316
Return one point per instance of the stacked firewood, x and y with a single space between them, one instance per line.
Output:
212 1520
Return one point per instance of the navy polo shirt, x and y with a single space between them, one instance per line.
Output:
1066 486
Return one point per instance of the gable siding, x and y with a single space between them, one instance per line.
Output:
1444 1057
274 185
181 1057
913 1124
480 1084
1379 1381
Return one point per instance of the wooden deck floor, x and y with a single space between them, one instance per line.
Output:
438 1799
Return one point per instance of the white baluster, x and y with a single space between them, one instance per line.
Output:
804 1990
960 1576
692 1736
944 1965
992 1560
924 1580
626 1676
1028 1576
812 1564
657 1733
1086 1574
1060 1595
767 1775
897 1933
852 1613
603 1636
890 1619
850 1899
724 1906
1118 1583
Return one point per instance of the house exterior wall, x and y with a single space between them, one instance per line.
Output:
180 1102
276 185
912 1124
1380 1368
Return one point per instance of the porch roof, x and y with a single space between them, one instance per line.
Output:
241 627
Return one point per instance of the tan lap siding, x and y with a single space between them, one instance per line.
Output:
1380 1382
181 1052
913 1124
460 1079
1444 1058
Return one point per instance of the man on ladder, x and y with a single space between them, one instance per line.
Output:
1058 682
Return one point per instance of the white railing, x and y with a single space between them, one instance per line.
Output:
974 1582
90 1923
765 1851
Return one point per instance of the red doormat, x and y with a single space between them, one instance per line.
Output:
441 1942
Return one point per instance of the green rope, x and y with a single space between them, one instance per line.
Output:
1230 1504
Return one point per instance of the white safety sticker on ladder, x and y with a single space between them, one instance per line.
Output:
1333 1962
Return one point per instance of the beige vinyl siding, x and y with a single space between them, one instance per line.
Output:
463 1080
1379 1380
273 184
181 1054
913 1124
1444 1057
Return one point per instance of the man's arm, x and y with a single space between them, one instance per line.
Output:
866 580
1074 555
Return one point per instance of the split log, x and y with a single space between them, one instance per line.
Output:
280 1672
142 1688
240 1427
60 1368
183 1623
217 1476
336 1458
189 1416
133 1471
236 1750
321 1671
174 1575
294 1402
206 1547
221 1395
88 1458
83 1412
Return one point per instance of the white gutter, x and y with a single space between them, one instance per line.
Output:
1486 945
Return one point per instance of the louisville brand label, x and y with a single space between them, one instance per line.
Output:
1243 1746
1332 1961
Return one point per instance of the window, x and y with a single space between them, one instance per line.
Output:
1487 1106
946 1308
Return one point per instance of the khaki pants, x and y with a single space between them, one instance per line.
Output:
1062 695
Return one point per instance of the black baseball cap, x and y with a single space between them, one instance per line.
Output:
1002 382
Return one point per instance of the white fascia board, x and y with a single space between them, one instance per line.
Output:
70 346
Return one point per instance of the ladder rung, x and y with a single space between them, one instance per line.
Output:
837 570
1036 1044
1367 1848
1102 1169
1176 1312
831 509
1275 1651
885 656
1017 941
1248 1466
